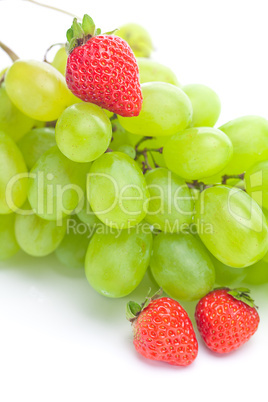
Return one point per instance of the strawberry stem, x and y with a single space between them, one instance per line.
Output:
133 309
242 294
81 32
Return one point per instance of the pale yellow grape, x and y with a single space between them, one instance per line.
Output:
37 89
232 226
171 206
166 110
117 190
181 266
121 136
35 143
198 152
38 237
206 105
83 132
116 262
13 175
56 185
86 215
60 60
249 136
150 70
12 121
137 37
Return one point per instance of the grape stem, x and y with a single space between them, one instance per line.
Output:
201 186
9 52
198 185
155 164
145 164
160 150
54 9
141 141
226 177
48 50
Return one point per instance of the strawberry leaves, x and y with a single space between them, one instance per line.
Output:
81 32
242 294
133 309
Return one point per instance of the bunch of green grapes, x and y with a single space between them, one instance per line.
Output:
164 195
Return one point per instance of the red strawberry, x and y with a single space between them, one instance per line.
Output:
226 319
163 331
102 69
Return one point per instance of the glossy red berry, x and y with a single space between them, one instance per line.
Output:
225 322
163 331
104 71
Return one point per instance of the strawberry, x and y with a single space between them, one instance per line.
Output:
102 69
163 331
226 319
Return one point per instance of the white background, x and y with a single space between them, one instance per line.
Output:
59 340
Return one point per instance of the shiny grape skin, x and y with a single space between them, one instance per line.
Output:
166 110
197 153
232 226
117 176
116 262
181 265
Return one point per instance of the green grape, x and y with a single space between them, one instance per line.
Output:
13 175
37 89
117 190
12 121
35 143
249 136
232 182
2 72
166 109
256 274
170 205
198 152
56 185
108 113
138 39
117 261
120 136
181 265
151 70
128 150
206 105
256 179
225 275
60 60
36 236
87 216
72 250
8 242
232 226
83 132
